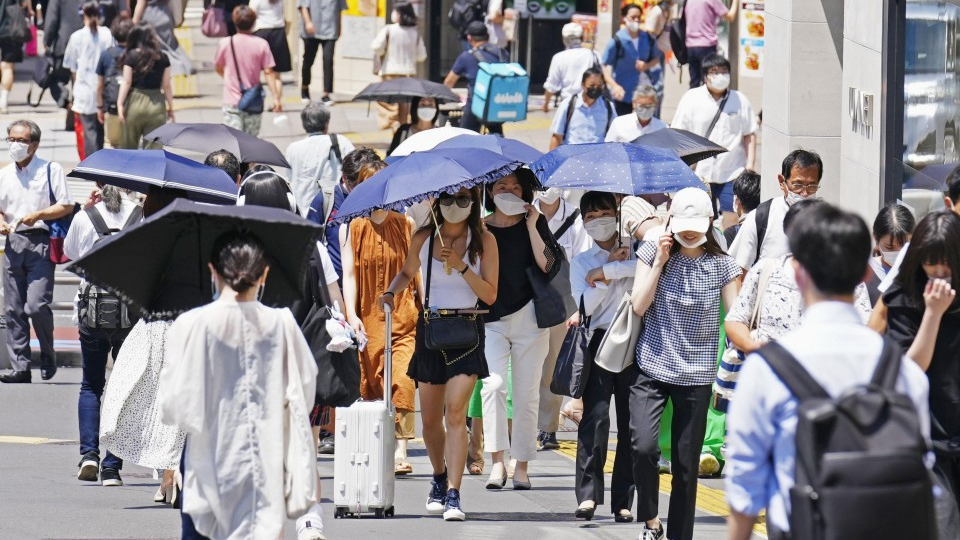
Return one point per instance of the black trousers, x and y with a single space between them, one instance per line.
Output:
690 404
471 122
310 48
623 107
594 433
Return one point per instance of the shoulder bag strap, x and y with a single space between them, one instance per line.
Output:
761 218
236 65
53 198
567 223
426 286
791 373
888 368
570 108
765 273
135 215
716 117
322 295
99 225
335 147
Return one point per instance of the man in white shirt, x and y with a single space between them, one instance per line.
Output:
628 127
584 117
315 161
81 57
724 116
568 229
567 66
830 249
31 190
761 232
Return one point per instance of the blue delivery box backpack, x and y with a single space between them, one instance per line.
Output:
500 93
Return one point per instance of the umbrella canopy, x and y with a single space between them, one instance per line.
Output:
509 148
137 170
164 270
689 146
428 139
404 89
615 168
422 175
206 138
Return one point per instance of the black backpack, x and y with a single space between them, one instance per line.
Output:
860 469
98 308
678 37
111 79
464 12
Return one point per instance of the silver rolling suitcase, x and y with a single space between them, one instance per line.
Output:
363 472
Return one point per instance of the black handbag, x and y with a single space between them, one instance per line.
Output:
552 300
445 331
574 361
338 374
252 98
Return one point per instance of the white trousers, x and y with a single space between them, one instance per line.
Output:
515 337
548 419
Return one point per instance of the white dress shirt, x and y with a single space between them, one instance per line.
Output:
404 49
744 247
23 191
311 167
626 128
82 235
697 109
601 301
565 75
81 57
839 352
575 241
239 379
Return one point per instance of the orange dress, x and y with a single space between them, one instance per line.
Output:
379 253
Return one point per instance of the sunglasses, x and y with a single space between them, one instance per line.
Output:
463 201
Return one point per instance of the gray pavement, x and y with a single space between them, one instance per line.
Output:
42 499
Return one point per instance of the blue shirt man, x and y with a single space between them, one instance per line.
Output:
631 57
590 118
468 64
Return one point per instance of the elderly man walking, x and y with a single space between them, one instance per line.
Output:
316 160
31 190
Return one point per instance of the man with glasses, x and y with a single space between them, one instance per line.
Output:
725 116
31 190
584 117
761 234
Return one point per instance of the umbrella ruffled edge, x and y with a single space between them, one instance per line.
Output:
399 206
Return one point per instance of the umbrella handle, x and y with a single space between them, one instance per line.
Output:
446 265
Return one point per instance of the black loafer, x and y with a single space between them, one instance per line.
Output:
585 513
620 517
14 377
47 372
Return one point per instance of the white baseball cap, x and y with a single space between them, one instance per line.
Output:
572 29
691 210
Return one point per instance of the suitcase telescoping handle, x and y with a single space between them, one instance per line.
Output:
388 358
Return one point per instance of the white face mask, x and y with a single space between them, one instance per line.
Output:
601 229
719 81
19 151
549 196
426 113
510 204
889 257
644 113
455 214
633 26
684 243
793 198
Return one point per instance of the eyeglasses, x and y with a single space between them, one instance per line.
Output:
798 188
14 139
463 201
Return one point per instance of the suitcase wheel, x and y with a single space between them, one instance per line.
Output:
390 512
339 512
378 513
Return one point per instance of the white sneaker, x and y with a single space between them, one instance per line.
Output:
310 527
651 534
709 465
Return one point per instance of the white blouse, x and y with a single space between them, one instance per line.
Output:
240 381
447 291
404 49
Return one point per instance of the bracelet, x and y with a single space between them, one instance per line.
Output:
464 271
391 293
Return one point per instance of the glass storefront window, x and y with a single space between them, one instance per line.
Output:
931 122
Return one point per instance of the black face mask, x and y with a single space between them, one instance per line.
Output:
594 93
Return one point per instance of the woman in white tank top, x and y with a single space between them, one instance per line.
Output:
462 263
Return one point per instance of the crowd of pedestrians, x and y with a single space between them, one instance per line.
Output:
719 278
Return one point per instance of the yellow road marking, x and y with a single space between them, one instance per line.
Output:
13 439
710 500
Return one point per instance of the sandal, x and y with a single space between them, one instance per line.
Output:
402 468
475 468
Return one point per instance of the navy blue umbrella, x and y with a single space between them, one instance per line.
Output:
509 148
615 168
137 170
421 175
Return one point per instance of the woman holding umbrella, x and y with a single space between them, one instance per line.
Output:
399 48
462 265
372 249
424 113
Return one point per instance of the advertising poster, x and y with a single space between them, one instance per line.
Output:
589 24
359 27
751 38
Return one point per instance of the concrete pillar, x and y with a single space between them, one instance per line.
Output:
803 103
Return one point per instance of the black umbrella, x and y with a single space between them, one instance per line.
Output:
689 146
206 138
404 89
160 265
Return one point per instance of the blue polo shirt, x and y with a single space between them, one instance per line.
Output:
623 60
468 64
587 124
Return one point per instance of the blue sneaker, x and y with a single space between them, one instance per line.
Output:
452 510
437 497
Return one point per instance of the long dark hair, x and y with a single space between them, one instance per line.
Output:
266 188
474 222
142 39
408 16
936 240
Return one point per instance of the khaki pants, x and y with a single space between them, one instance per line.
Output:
145 111
405 426
112 128
548 417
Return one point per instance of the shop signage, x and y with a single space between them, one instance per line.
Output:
860 110
751 38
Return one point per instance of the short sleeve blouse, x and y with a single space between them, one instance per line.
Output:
151 80
678 344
